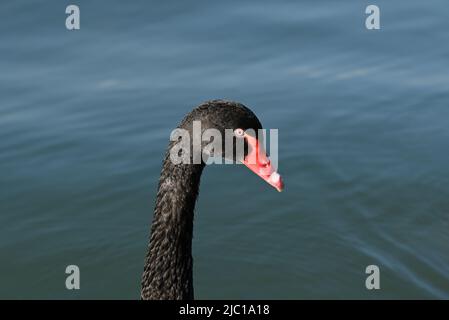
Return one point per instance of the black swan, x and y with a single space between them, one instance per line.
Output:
168 265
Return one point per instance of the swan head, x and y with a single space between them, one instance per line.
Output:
228 131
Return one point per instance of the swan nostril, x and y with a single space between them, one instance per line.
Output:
265 164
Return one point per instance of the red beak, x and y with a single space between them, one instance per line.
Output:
258 162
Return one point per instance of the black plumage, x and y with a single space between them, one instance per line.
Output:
168 264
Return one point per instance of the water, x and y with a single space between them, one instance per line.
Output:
363 119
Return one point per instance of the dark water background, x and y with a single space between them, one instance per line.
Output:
363 119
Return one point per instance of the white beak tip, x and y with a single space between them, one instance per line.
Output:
275 177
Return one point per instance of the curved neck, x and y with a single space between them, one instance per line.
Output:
168 265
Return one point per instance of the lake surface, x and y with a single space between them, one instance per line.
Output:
363 119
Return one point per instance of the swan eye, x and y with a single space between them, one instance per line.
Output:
239 132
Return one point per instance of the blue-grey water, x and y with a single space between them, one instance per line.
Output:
363 119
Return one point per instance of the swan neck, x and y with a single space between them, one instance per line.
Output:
168 266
